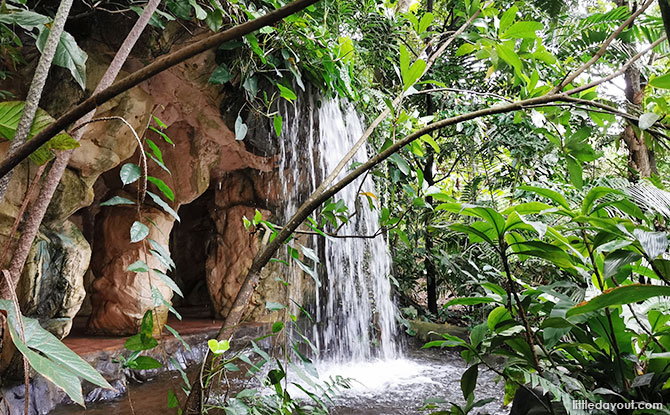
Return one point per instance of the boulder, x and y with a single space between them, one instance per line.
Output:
51 288
120 297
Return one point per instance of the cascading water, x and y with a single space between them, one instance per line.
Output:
355 314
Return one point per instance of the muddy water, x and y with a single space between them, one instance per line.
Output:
390 387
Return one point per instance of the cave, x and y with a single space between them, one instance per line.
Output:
191 242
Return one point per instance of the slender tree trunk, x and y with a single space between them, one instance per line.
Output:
665 13
431 274
36 86
640 156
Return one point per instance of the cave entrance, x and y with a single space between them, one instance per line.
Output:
190 242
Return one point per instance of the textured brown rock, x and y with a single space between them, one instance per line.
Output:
228 264
119 297
205 156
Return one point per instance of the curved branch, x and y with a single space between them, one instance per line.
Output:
145 73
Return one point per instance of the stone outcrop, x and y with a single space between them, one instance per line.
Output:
120 297
240 176
205 155
51 288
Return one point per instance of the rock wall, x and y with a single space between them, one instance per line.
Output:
205 157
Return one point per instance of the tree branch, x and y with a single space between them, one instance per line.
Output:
145 73
36 86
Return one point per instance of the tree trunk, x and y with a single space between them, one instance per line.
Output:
431 277
640 157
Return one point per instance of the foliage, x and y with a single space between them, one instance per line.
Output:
49 357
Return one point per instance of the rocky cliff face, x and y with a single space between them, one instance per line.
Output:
228 177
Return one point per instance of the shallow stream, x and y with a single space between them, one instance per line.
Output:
383 387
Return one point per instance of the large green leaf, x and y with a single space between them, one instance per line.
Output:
653 243
548 193
68 55
469 380
25 18
57 363
626 294
469 301
617 259
475 234
413 73
522 30
507 54
662 81
10 114
595 194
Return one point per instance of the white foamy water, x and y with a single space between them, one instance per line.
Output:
355 314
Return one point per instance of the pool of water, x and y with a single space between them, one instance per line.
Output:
401 386
382 387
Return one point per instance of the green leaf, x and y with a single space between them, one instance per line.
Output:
413 73
662 81
240 129
27 19
426 21
464 49
428 139
595 194
160 202
508 55
130 173
626 294
57 363
522 30
138 231
473 232
68 55
274 306
218 347
400 162
277 327
277 122
469 301
647 120
146 363
498 317
527 208
117 200
10 114
286 92
162 187
404 59
140 342
575 170
169 282
548 193
617 259
508 18
138 266
477 334
469 380
172 402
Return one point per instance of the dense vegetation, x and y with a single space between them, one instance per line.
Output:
520 159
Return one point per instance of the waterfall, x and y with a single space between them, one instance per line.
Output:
354 312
